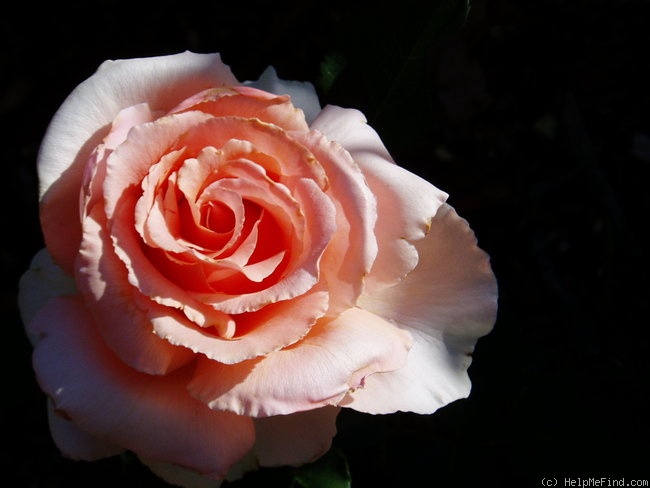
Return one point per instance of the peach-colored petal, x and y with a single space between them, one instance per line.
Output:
353 248
103 279
151 209
405 202
335 357
74 443
318 212
249 102
83 120
151 415
129 164
294 161
447 303
294 439
258 333
303 94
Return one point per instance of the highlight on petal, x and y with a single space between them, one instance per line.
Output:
162 82
84 119
334 358
303 94
150 415
446 303
345 266
406 203
295 439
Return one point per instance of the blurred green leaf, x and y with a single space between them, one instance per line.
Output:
330 69
330 471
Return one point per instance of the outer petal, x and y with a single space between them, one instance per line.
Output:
74 442
447 303
179 476
41 282
303 94
82 120
298 438
150 415
406 203
333 358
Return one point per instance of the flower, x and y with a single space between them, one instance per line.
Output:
227 265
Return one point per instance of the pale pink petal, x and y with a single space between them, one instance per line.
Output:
83 120
295 439
335 357
150 415
41 282
353 248
303 94
161 82
447 303
95 170
405 202
74 443
103 279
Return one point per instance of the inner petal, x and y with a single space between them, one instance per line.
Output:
217 217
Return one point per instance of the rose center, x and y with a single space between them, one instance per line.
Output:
217 217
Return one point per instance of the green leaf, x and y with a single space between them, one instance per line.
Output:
330 69
330 471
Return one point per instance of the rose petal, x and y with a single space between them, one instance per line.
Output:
319 215
344 266
405 202
258 333
151 415
299 438
41 282
303 94
95 170
82 121
103 279
333 358
129 164
74 443
249 102
447 303
179 476
151 209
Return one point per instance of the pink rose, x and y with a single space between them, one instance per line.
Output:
227 266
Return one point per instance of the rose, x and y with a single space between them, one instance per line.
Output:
224 271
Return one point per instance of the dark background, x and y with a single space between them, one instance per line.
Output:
533 115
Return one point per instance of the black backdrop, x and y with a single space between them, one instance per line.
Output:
532 115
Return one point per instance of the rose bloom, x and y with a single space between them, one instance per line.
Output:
227 266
